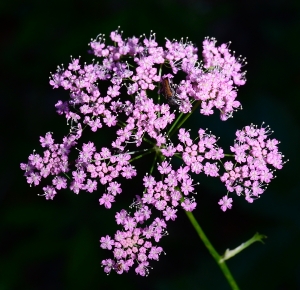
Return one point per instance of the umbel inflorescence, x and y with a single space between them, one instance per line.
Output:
151 91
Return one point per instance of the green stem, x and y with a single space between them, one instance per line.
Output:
197 104
65 174
141 155
231 253
212 251
148 141
153 164
175 123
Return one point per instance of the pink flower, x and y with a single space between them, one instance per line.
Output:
106 242
225 203
106 199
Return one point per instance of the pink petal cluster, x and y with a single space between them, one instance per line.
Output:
133 244
146 88
257 157
90 168
195 155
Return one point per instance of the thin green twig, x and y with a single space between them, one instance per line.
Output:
212 251
175 123
231 253
148 141
153 164
197 104
141 155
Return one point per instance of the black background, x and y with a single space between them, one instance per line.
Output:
55 244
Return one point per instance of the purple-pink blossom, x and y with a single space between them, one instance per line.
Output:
225 203
257 157
145 113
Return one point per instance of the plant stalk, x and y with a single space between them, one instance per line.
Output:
212 251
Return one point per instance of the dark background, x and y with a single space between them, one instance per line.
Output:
55 244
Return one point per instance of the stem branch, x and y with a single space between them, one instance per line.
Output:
212 251
172 131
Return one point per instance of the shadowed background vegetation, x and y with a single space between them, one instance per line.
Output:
55 244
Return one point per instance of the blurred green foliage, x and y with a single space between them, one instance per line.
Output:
55 244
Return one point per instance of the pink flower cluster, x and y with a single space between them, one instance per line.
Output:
54 161
194 154
134 243
256 157
145 98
